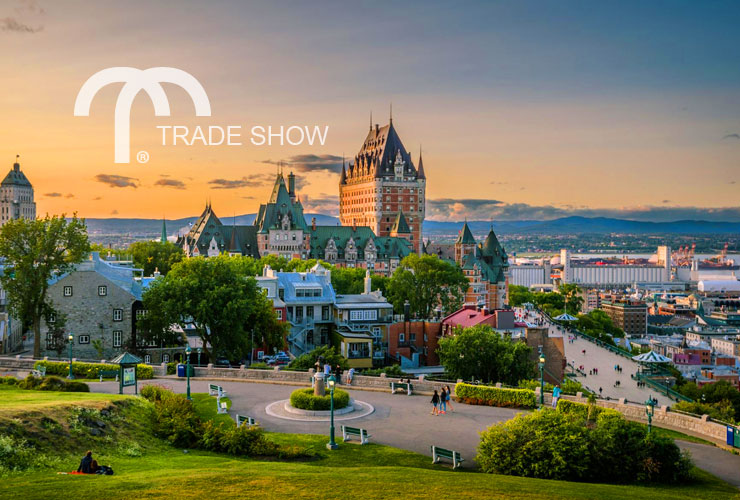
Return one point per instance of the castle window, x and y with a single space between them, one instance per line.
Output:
102 291
67 291
84 339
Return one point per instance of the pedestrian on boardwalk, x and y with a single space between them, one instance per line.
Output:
327 369
435 402
600 389
443 401
449 398
555 396
350 376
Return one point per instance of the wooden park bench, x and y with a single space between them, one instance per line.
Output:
347 432
216 390
108 374
451 455
39 372
243 419
401 385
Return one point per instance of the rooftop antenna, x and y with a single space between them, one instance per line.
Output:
391 122
371 119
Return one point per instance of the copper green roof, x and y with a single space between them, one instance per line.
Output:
126 359
466 237
386 246
15 177
400 226
270 215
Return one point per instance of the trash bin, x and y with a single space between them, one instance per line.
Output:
180 370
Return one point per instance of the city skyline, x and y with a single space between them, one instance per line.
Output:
554 110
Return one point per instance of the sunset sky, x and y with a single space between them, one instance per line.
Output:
524 110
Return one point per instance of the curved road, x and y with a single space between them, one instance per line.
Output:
405 421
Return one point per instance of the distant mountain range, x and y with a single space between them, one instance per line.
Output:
564 225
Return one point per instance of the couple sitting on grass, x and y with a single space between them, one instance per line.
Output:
89 465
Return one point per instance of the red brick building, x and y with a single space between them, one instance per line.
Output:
382 189
407 338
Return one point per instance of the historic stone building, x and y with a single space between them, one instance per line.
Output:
281 229
382 189
16 196
99 300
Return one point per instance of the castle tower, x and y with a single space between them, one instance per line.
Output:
382 182
16 196
464 245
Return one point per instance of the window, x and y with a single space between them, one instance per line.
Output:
84 339
165 358
279 314
309 311
412 337
368 315
102 291
118 314
52 318
325 313
140 313
117 338
401 338
51 341
67 291
147 358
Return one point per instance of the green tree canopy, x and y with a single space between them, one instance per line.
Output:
218 300
481 353
427 281
34 252
155 255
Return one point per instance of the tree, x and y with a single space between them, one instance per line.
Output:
36 251
519 295
155 255
571 297
481 353
425 282
218 300
325 354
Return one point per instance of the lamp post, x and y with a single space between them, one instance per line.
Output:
187 368
542 380
199 351
71 339
650 411
331 445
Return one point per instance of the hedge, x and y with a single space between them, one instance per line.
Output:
587 412
494 396
304 399
89 370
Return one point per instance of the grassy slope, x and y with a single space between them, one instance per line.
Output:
371 471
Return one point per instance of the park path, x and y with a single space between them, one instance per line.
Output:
604 360
404 421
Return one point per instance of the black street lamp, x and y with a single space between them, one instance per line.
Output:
650 411
187 367
71 339
331 445
542 379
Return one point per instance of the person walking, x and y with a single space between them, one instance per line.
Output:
443 402
556 395
350 376
435 403
449 398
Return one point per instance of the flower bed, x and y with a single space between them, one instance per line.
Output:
495 396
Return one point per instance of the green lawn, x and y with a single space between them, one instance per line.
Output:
352 472
12 398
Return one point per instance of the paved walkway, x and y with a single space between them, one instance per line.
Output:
604 360
405 421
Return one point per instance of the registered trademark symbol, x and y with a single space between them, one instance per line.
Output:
142 156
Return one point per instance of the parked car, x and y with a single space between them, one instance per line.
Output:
222 363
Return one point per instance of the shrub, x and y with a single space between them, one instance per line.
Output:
494 396
259 366
585 411
171 368
89 370
544 444
722 410
52 384
154 392
390 371
77 386
213 434
305 399
8 380
18 455
246 441
29 383
560 445
176 421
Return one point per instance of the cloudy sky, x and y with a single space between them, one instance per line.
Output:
524 110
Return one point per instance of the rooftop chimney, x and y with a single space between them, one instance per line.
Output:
368 283
313 223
